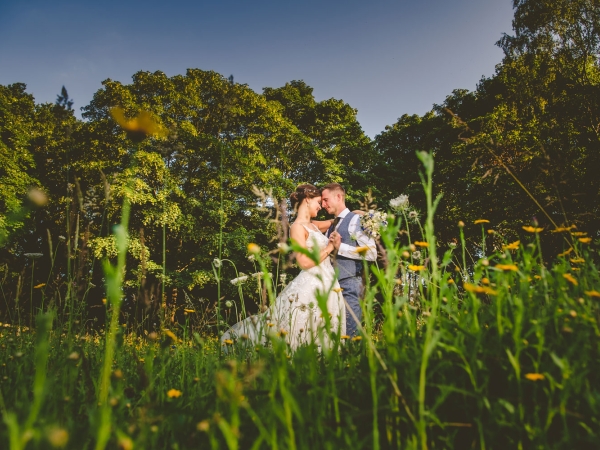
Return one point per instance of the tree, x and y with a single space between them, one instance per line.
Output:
338 150
17 113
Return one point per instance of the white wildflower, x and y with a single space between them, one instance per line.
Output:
228 303
33 255
239 280
417 255
217 262
283 247
399 203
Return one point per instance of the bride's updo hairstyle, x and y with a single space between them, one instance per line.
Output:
303 191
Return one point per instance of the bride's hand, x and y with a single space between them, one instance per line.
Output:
335 239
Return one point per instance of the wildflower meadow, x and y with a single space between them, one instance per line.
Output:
497 350
135 232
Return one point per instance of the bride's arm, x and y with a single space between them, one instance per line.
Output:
322 225
299 234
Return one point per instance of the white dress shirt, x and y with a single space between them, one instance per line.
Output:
362 240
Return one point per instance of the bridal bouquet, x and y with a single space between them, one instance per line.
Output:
372 222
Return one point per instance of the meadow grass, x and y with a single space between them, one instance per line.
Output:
503 354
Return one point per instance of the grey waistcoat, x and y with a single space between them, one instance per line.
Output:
348 267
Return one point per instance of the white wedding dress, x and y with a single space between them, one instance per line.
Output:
295 315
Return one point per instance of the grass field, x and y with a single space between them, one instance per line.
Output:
502 353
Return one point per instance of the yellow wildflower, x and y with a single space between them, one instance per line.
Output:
485 280
125 443
570 278
507 267
228 341
450 281
585 240
357 338
577 260
593 293
531 229
361 250
171 335
190 311
337 289
58 437
174 393
140 126
490 232
421 244
461 224
253 249
578 233
478 221
534 376
479 289
38 286
344 336
513 246
566 252
415 268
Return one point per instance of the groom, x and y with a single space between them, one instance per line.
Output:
346 235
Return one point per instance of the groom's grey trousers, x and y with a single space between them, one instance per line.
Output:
350 277
352 292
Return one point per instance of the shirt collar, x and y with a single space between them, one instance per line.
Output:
344 213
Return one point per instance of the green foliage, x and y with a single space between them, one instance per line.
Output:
17 115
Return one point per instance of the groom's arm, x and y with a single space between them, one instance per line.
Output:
362 240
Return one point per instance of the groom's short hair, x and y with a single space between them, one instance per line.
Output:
335 187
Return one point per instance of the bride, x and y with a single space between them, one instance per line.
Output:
295 315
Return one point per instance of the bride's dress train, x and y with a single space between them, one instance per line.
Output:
295 315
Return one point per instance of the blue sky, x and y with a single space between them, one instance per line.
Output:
384 57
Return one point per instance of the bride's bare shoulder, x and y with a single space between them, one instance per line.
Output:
299 228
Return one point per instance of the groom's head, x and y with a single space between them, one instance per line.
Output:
333 198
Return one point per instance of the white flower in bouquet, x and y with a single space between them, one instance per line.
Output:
372 222
399 203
